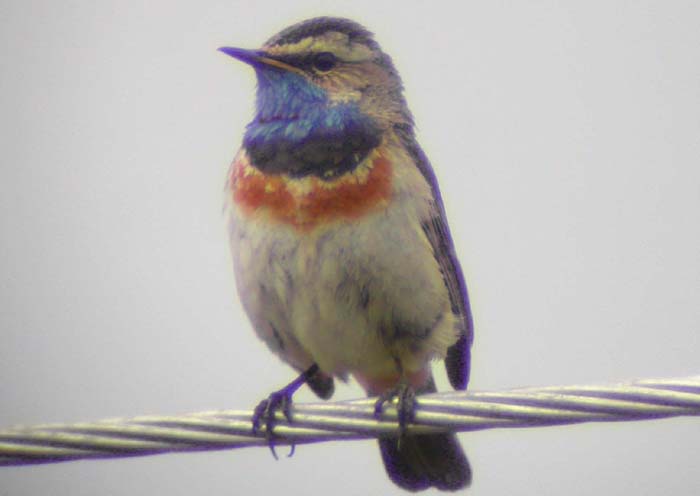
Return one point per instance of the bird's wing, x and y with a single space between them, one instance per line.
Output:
437 231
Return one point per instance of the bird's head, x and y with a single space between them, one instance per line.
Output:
325 61
324 81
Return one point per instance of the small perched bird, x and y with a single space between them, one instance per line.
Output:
343 257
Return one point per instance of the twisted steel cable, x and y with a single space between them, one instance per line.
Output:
316 422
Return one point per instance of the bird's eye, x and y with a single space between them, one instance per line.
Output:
324 61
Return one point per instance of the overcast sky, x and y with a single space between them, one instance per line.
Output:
566 138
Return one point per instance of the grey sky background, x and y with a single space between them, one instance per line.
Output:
566 138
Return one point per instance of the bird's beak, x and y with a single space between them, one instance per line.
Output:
258 58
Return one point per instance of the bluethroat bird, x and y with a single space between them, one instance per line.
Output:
343 258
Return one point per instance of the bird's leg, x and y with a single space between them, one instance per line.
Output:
264 413
406 401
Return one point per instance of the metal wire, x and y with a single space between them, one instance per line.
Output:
316 422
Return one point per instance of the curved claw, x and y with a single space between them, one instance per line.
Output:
280 400
405 407
264 414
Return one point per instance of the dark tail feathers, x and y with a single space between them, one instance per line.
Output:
429 460
426 460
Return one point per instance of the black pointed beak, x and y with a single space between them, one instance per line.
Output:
248 56
258 59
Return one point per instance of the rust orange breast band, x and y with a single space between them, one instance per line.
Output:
308 202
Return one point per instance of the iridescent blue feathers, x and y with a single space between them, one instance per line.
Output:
298 131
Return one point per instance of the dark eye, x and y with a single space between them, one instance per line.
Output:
324 61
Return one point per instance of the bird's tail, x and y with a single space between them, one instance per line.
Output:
428 460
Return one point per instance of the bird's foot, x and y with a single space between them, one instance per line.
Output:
264 414
405 406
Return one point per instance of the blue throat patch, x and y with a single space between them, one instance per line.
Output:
298 131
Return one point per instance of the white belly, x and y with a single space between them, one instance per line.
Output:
351 297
